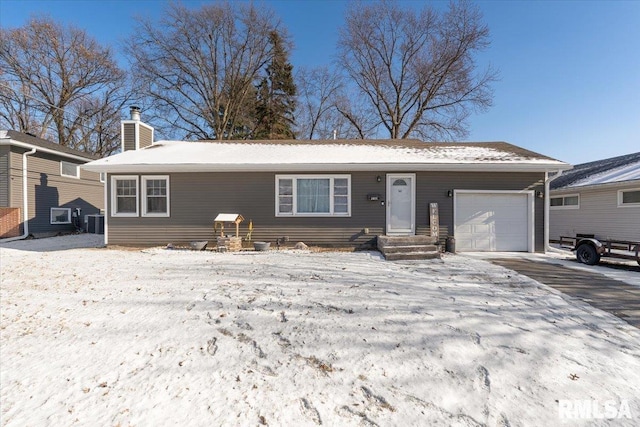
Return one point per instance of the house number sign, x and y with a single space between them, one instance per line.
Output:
434 221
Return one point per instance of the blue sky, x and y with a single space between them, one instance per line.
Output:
569 70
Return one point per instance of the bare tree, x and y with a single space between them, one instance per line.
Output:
58 83
317 117
360 119
416 69
198 68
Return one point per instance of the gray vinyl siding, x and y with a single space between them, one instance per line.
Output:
129 136
15 177
4 176
196 198
47 189
146 136
598 214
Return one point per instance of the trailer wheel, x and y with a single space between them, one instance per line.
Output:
587 254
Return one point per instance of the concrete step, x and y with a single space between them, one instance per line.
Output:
411 256
385 241
409 248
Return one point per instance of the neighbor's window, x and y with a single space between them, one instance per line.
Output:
60 216
69 169
569 201
317 195
124 191
156 195
629 197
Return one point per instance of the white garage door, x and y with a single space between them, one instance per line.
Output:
492 221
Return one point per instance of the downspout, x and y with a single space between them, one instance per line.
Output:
25 199
547 198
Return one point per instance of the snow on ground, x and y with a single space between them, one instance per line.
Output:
94 336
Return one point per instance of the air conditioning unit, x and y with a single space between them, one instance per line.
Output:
95 224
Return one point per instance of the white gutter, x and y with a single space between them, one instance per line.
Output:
547 198
25 199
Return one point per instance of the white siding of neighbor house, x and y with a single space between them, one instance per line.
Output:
598 214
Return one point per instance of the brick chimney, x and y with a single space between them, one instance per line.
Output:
134 134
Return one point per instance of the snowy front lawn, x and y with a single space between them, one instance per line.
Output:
159 337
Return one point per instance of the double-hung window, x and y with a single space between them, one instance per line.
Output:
156 195
313 195
569 201
124 191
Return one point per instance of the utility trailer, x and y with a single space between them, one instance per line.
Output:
589 250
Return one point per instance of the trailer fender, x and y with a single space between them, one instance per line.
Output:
597 245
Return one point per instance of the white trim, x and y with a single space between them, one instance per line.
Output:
530 210
294 209
77 166
627 205
106 211
412 230
563 196
58 222
143 189
547 195
114 195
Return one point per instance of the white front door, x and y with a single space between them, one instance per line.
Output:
401 204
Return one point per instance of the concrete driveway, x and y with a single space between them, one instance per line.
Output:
618 297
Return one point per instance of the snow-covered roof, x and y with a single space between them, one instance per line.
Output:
332 155
607 171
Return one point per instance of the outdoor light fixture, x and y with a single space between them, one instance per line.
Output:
449 193
539 194
379 178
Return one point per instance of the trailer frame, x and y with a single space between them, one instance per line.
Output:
589 249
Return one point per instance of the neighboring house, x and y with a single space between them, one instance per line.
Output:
600 198
339 192
41 185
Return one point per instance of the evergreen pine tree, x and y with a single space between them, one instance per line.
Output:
275 97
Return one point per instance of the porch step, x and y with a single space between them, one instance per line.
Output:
405 240
407 247
411 256
410 248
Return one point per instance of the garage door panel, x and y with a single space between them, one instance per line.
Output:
481 228
492 222
482 244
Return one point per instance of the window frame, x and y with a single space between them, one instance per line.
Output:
143 187
114 196
294 182
77 166
51 222
621 204
563 197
